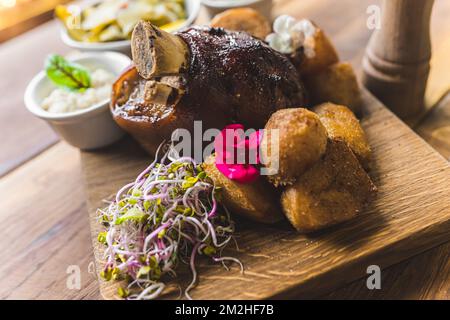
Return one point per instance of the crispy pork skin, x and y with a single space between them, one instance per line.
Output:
228 77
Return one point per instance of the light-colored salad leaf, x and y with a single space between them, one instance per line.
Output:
67 75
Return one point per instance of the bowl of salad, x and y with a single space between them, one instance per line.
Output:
107 25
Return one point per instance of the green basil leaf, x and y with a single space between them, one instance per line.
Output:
66 74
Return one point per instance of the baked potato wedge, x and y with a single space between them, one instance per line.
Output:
302 140
332 191
337 83
256 201
342 124
324 54
243 19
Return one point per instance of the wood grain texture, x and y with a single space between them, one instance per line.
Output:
23 135
422 277
427 275
435 128
410 215
439 78
45 229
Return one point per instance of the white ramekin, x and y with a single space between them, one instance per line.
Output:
124 46
89 128
214 7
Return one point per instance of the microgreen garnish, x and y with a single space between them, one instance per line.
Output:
168 214
66 74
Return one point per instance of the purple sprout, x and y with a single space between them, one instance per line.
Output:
168 214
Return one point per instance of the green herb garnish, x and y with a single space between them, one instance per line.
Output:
66 74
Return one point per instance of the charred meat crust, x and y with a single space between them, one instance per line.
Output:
240 76
231 77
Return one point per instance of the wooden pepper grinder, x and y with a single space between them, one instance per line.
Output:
397 60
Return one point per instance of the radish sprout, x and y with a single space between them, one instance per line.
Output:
170 213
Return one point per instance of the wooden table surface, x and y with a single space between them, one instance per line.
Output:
46 231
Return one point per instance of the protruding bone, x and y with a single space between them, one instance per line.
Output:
157 53
161 93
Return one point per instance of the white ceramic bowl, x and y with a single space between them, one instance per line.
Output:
214 7
124 46
88 128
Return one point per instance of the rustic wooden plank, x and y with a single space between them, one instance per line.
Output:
350 38
426 276
439 79
23 135
410 215
435 128
45 229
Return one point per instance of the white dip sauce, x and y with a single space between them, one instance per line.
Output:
61 101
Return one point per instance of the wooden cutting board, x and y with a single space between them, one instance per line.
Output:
411 214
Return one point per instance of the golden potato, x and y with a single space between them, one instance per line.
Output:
324 54
336 83
256 201
341 123
243 19
332 191
302 140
